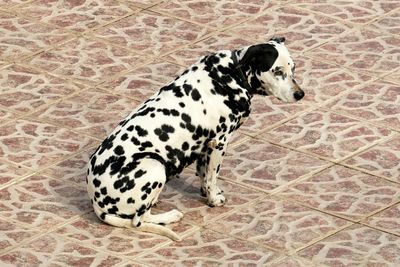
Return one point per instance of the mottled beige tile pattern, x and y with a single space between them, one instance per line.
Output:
314 183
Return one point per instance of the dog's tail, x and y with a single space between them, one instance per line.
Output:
127 223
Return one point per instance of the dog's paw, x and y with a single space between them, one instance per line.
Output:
218 200
174 216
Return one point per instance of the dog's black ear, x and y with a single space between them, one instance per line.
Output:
278 39
260 57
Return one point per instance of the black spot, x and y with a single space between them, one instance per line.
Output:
97 194
139 173
187 88
182 104
141 132
119 150
96 182
154 186
144 197
130 201
185 146
103 190
144 188
164 131
195 95
130 128
117 165
124 137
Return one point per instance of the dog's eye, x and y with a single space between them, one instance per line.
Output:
278 73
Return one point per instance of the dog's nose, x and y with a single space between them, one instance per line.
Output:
299 94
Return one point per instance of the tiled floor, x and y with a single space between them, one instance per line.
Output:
310 184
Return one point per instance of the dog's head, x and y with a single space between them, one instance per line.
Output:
271 70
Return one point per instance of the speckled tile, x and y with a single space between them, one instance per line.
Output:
90 231
351 11
218 14
378 102
21 37
40 203
344 192
143 82
382 159
292 261
388 23
151 34
11 173
326 134
302 29
266 166
51 250
221 41
356 246
86 60
35 145
24 90
92 112
76 15
7 116
209 248
72 169
362 50
12 234
387 220
278 224
322 81
183 194
267 111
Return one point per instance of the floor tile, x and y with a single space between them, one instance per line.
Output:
344 192
326 134
93 112
209 248
302 29
142 83
387 220
218 14
54 251
24 90
10 173
72 169
86 60
362 50
12 234
388 23
356 246
382 160
151 34
321 81
6 116
21 37
266 166
267 111
350 11
194 52
378 102
90 231
183 194
76 15
278 224
35 145
291 261
11 3
40 203
394 77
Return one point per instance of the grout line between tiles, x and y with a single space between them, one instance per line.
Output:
37 236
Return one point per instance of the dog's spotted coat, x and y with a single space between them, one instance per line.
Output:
189 120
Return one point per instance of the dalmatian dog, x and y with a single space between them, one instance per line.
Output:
190 120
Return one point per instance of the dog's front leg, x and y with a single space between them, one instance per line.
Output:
209 185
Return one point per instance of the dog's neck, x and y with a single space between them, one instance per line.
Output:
246 74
